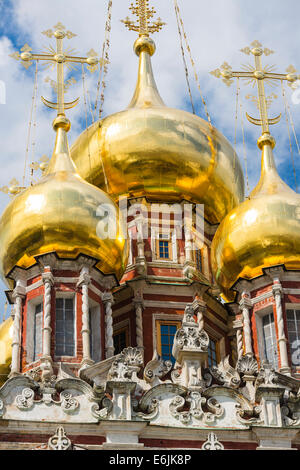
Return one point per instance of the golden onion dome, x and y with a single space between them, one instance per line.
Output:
61 213
161 153
263 231
6 332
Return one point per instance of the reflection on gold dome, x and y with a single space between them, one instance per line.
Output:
5 349
160 153
263 231
59 214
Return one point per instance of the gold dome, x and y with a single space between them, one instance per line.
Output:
263 231
5 348
161 153
59 214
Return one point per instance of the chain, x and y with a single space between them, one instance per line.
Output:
32 111
244 140
184 61
236 118
192 62
85 109
289 133
104 62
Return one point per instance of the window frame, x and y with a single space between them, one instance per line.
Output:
30 325
196 261
95 331
67 295
259 316
159 323
294 308
119 331
172 239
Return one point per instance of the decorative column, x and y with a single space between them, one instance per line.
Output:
48 281
189 265
83 283
277 293
109 342
139 306
238 326
245 305
18 296
141 259
200 308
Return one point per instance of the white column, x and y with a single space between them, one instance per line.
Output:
277 293
109 342
199 307
48 281
83 282
18 296
245 305
139 323
188 246
238 327
141 259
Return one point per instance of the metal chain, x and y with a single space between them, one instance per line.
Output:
244 141
104 61
183 58
236 119
192 62
289 133
85 109
33 100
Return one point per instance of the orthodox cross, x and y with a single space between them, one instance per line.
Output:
258 75
58 58
144 13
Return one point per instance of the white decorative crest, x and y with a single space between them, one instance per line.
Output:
212 443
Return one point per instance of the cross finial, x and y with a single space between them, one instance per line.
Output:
258 75
144 13
59 58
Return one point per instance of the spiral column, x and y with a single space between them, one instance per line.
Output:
18 296
282 341
109 342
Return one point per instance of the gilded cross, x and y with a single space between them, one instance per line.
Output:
144 13
258 75
58 58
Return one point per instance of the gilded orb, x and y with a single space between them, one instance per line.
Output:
163 154
62 213
262 232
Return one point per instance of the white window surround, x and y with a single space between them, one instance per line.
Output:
155 233
30 327
69 295
259 315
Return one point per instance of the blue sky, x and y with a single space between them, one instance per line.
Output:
217 31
